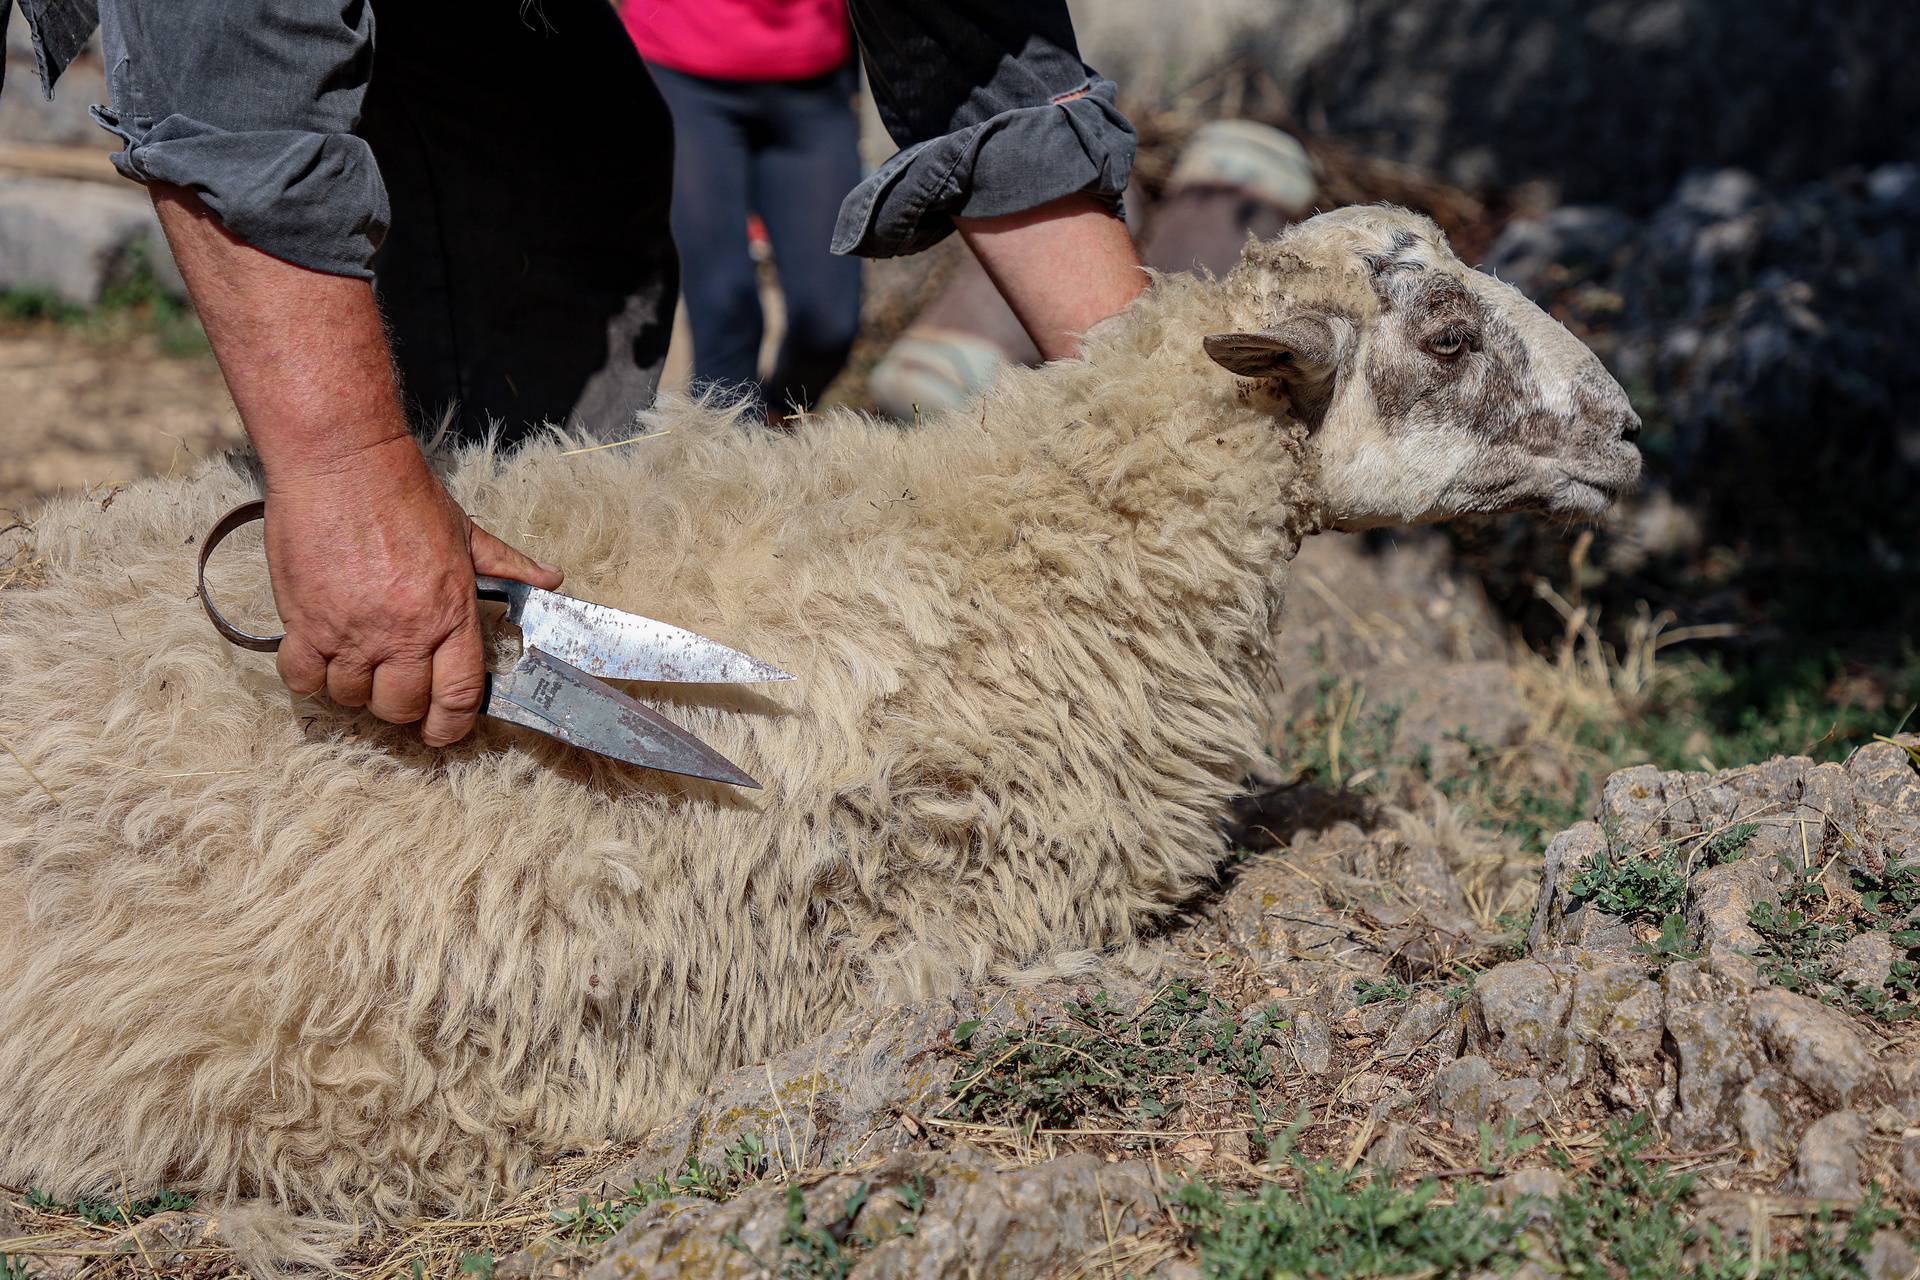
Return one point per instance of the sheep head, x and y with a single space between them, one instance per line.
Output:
1429 389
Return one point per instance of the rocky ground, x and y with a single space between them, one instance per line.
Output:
1396 1040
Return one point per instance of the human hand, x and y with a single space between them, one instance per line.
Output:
373 569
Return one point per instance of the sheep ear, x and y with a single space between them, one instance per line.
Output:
1302 347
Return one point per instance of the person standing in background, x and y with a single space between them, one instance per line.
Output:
761 93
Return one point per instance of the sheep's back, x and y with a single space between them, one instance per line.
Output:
267 943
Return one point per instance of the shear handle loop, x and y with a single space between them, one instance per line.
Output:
245 513
499 590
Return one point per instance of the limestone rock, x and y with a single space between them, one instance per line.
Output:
1720 898
1891 1257
1558 917
841 1095
1309 1042
1828 1167
1763 1133
1519 1009
1463 1093
1430 1025
1707 1031
73 239
1816 1045
1866 960
1523 1185
976 1221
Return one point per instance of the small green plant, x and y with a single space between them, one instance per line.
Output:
1512 944
478 1262
1500 1147
1828 1251
1341 742
1630 1216
592 1221
1727 844
829 1250
1803 935
14 1269
815 1252
134 303
1498 798
1380 991
1634 887
1335 1226
1718 715
1100 1061
1672 945
105 1212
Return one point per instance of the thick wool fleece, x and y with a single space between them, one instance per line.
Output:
258 946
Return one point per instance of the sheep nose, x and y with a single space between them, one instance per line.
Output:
1630 426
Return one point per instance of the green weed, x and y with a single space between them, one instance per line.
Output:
1627 1217
1803 939
1671 946
13 1269
1500 1147
1630 1217
1334 1226
1632 886
1731 716
1341 742
1382 991
105 1212
1727 844
592 1221
829 1250
1498 799
1102 1062
133 304
1649 886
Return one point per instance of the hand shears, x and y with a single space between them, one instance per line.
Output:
567 643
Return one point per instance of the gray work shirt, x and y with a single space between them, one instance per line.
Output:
989 101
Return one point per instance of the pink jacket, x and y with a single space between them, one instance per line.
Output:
741 39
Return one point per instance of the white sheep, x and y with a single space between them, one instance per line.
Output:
256 948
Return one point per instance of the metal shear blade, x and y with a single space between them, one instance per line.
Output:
558 699
556 695
616 645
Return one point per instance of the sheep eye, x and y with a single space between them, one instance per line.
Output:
1449 343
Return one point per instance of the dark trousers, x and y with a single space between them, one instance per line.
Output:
786 150
529 275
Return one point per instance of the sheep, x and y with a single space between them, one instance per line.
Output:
274 950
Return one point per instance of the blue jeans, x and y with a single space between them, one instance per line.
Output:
786 150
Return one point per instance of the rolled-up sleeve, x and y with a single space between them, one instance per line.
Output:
994 113
252 105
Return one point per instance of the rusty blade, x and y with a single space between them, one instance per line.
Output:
553 697
617 645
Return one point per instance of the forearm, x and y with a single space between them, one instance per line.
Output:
372 562
303 352
1062 267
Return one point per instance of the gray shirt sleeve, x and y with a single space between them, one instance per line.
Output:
252 105
995 114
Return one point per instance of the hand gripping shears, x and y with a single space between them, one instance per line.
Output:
566 643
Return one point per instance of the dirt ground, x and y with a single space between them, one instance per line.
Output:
80 413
